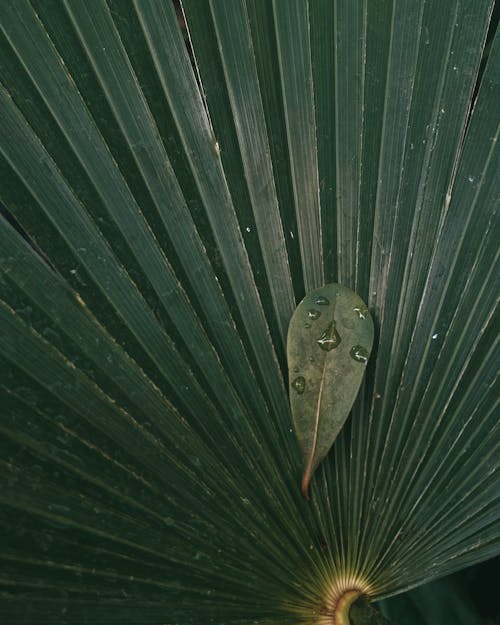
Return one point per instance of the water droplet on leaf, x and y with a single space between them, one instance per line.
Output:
322 301
359 353
313 314
299 384
330 338
362 312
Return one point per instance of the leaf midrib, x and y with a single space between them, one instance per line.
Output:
308 470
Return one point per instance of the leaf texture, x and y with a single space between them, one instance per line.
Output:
329 342
167 205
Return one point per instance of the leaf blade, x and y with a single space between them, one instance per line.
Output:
409 493
329 342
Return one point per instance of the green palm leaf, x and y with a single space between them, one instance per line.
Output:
164 216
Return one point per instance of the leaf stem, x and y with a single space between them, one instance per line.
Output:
343 607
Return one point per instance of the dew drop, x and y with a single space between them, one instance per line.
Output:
362 312
359 353
329 339
322 301
299 384
313 314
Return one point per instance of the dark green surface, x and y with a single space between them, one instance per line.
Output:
362 613
149 470
443 602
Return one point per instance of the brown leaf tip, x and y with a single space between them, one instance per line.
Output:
304 487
